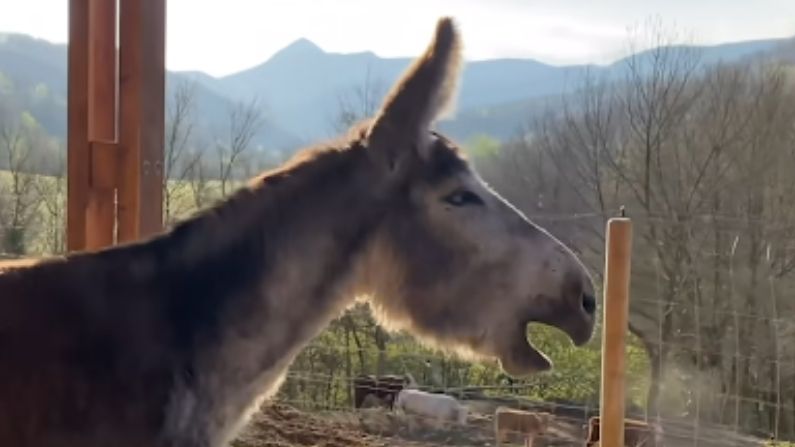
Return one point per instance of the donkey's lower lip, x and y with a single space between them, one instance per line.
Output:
522 358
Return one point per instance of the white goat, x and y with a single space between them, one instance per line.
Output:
439 408
509 421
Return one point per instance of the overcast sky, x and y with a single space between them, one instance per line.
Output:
224 36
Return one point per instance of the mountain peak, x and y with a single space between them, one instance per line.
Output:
302 46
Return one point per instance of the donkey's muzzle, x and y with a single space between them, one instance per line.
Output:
578 315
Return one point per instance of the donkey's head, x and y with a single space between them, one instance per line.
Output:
453 261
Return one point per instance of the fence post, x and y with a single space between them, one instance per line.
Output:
614 332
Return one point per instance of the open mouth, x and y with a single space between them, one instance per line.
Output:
520 357
517 355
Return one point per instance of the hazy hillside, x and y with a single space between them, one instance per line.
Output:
37 70
300 87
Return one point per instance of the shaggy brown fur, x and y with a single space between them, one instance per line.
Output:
174 341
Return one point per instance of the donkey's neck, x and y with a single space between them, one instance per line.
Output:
256 278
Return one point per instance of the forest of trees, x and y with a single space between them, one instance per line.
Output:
702 157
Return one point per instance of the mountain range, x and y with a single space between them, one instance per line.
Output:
302 86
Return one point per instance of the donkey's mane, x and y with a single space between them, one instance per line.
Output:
302 174
261 203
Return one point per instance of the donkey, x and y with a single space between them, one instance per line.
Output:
175 340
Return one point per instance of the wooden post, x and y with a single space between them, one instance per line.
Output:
116 121
77 121
102 117
615 324
91 181
142 118
636 433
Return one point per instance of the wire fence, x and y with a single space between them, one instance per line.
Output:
327 393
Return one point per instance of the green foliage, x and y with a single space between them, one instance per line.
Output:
482 146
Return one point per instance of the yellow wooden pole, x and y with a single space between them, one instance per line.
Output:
614 332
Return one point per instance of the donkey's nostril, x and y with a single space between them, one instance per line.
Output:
588 303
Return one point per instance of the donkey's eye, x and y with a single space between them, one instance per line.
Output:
463 198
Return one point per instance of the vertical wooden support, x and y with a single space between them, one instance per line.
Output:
77 120
102 115
636 433
116 121
615 324
142 117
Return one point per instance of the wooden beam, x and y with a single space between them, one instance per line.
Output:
141 117
104 164
636 433
618 256
116 121
102 114
102 70
77 115
101 208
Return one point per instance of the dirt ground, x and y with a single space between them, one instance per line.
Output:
279 425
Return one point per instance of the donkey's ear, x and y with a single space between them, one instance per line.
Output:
402 126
